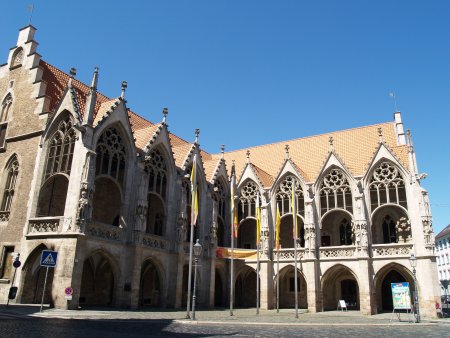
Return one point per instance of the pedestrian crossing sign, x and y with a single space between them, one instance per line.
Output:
48 258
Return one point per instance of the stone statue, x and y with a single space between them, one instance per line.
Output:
83 206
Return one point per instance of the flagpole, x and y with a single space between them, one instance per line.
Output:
232 263
295 276
278 279
295 231
191 246
257 278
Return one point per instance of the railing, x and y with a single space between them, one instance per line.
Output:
154 241
392 249
4 216
44 225
346 251
288 254
104 231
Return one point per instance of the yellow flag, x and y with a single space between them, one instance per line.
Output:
258 221
194 192
294 211
277 229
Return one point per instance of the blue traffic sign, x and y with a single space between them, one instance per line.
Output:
48 258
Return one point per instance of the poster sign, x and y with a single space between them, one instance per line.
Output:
401 297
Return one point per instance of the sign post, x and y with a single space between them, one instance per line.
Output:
401 298
48 259
13 289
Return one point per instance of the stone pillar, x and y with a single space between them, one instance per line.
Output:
309 268
365 285
266 284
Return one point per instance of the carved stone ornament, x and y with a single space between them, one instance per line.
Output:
428 231
404 230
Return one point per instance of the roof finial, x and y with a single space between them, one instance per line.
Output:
124 87
248 156
165 112
222 150
286 148
197 132
380 135
73 73
331 141
410 143
94 79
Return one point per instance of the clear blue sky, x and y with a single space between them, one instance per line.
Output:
255 72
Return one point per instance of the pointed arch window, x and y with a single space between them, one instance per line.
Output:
284 196
335 192
220 196
17 58
387 186
157 186
60 149
12 172
389 230
6 108
247 200
111 155
345 232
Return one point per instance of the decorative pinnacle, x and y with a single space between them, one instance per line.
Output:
248 156
95 79
222 150
124 87
165 112
197 132
73 72
380 135
286 148
410 143
331 141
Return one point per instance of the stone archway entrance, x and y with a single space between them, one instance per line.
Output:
34 278
150 290
339 283
384 291
219 299
245 288
287 289
97 282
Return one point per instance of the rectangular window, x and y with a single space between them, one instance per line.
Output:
6 268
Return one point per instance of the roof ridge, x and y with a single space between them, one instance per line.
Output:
307 137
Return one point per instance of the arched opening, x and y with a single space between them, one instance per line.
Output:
106 202
245 288
97 281
33 278
339 283
186 282
287 288
219 293
287 231
384 278
220 232
52 197
390 225
247 234
155 215
150 294
336 229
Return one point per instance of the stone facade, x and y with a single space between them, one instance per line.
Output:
111 193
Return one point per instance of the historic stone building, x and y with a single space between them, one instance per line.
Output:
110 192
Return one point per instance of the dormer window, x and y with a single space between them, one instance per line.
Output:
17 58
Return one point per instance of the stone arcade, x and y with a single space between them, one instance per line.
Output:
85 176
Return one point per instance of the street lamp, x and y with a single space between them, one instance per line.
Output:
197 253
413 262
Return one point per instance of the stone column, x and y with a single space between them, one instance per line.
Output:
309 268
266 284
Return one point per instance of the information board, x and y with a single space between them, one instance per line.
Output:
401 298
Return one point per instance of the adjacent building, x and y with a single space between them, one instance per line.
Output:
110 191
443 261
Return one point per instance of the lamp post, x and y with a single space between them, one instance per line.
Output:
413 262
197 253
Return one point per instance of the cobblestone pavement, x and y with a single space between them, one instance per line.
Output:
27 321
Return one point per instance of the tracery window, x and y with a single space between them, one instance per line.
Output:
345 232
111 155
247 200
387 186
6 108
284 196
157 170
335 192
389 230
10 184
60 151
220 197
157 186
